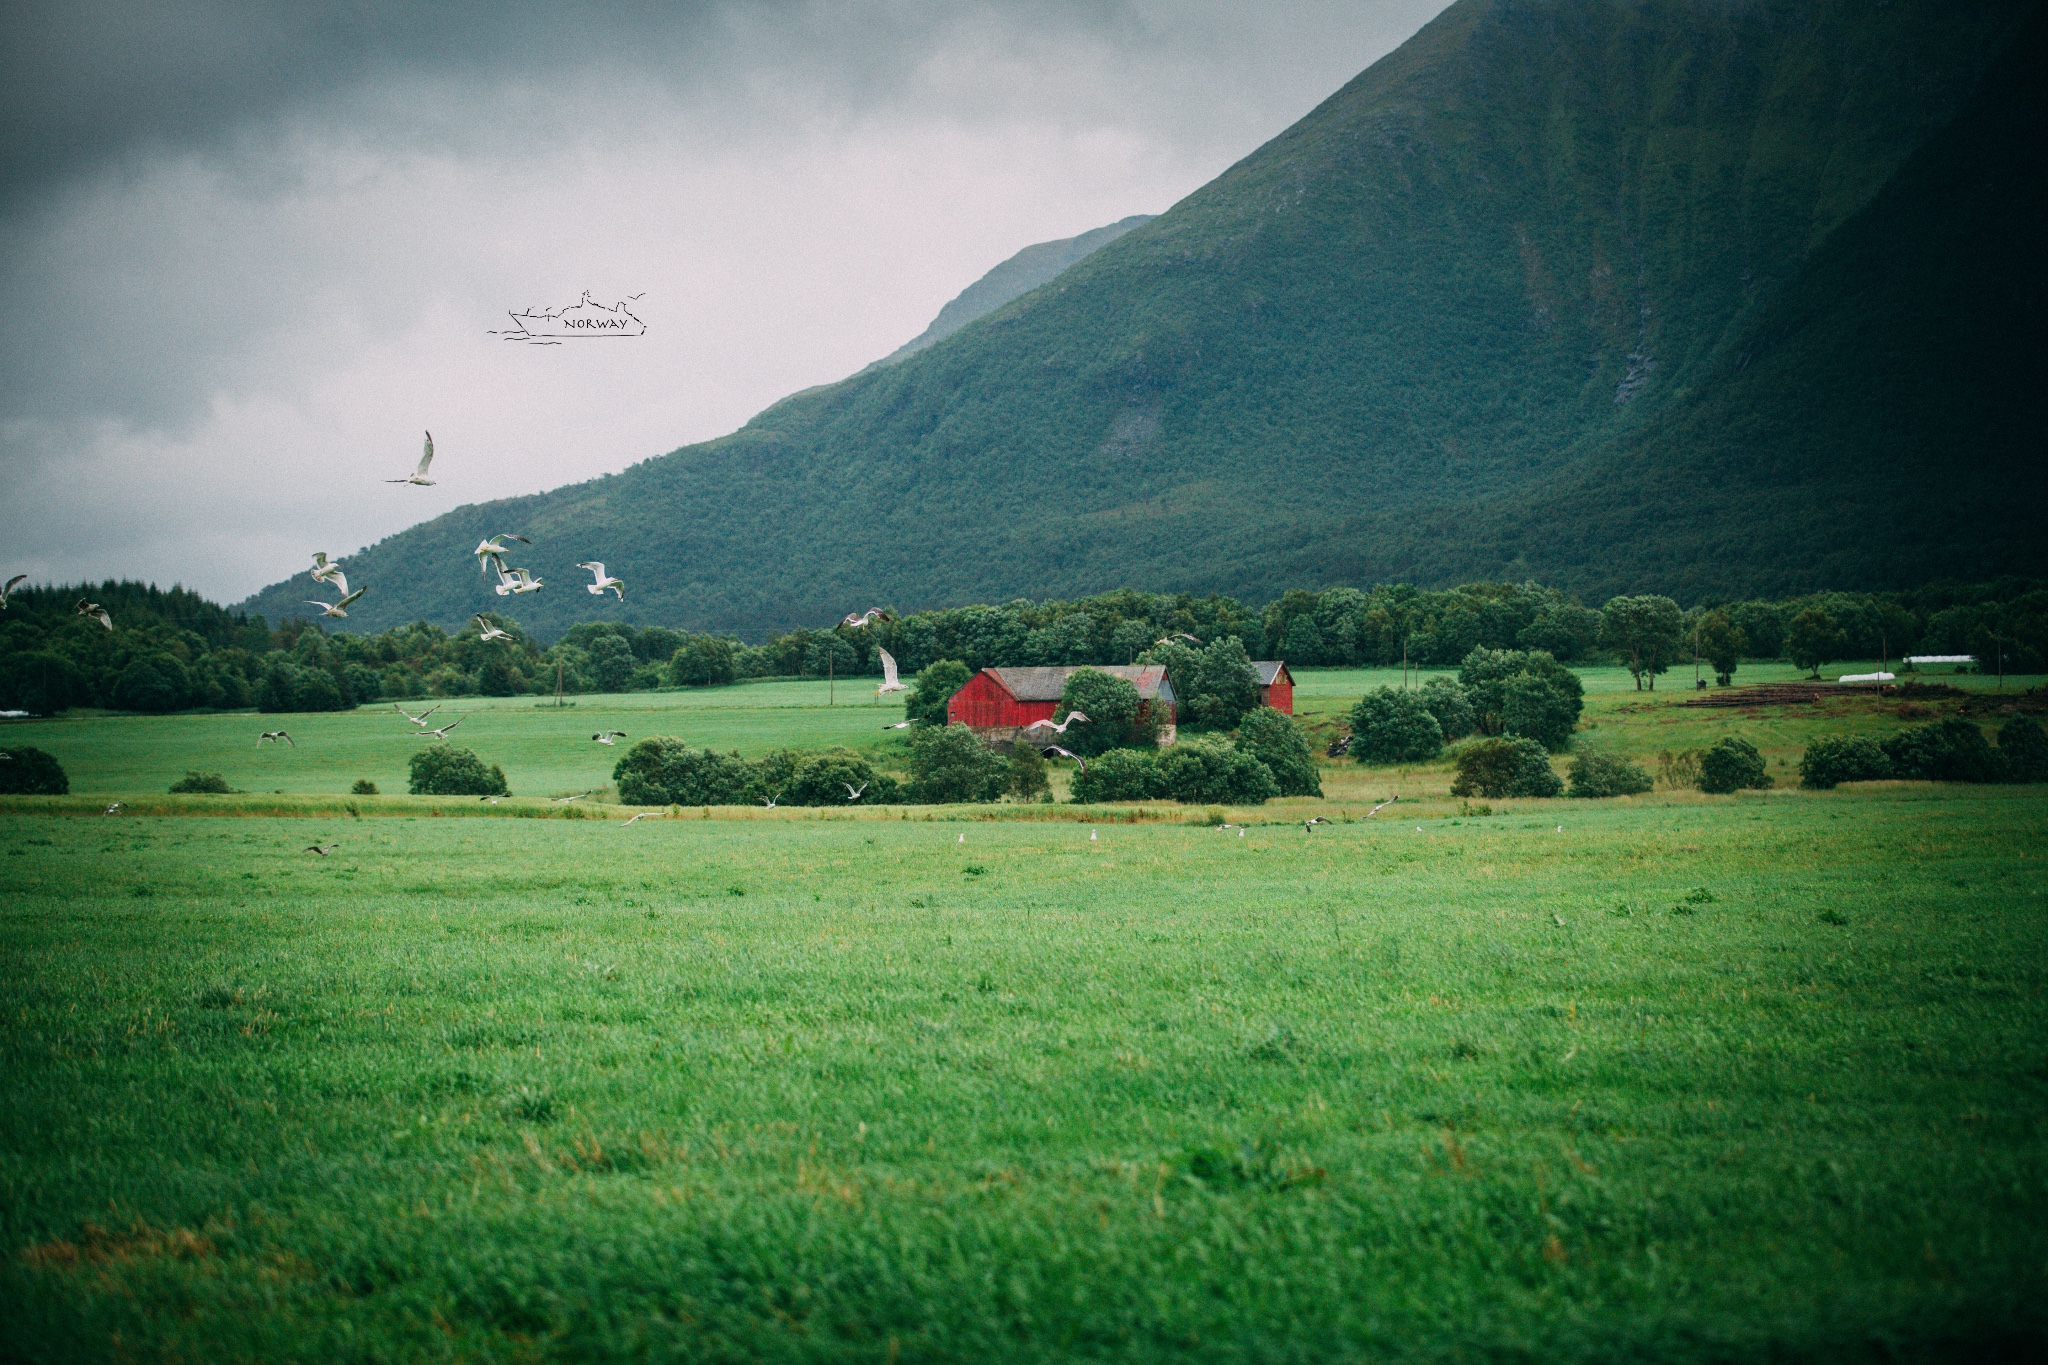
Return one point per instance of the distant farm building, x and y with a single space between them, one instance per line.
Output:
1276 685
996 703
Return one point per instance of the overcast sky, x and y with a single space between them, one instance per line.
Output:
248 252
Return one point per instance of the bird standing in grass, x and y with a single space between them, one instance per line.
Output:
609 737
335 608
274 737
322 849
604 580
419 476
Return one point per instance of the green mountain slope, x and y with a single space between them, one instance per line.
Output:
1879 422
1535 232
1036 264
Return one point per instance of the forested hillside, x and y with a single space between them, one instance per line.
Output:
1641 291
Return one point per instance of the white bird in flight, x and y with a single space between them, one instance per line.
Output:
419 476
858 619
336 608
96 612
322 849
899 725
1052 749
643 815
114 809
323 572
441 733
604 580
487 631
890 682
273 737
1307 826
609 737
9 587
490 551
518 584
852 792
564 800
1177 635
1061 728
421 718
769 801
1388 802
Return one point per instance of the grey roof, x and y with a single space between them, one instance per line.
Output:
1046 684
1269 669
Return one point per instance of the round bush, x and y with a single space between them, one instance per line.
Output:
154 683
362 786
444 770
2024 747
195 782
1730 765
28 771
1842 758
1952 750
1448 701
1535 707
1120 775
822 780
1509 766
664 771
1599 774
1024 773
1275 740
1196 773
1390 726
949 763
1111 705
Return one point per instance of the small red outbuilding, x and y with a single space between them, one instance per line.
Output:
1276 685
996 702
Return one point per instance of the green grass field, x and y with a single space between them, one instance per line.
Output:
1666 1078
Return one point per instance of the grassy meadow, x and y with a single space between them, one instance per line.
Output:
1671 1077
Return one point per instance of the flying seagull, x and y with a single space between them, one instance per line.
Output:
564 800
441 733
489 551
322 849
419 476
336 608
858 619
769 802
1381 806
96 612
899 725
519 584
273 737
609 737
1308 825
489 631
852 792
1061 728
114 809
421 718
643 815
890 682
1177 635
604 580
1339 747
323 572
1052 749
10 586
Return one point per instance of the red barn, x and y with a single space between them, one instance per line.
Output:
1276 685
997 702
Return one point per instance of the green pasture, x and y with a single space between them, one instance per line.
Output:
1760 1077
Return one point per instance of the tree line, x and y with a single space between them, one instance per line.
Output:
173 650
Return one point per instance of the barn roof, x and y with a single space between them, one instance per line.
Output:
1269 670
1046 684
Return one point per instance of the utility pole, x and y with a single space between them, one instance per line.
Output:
558 684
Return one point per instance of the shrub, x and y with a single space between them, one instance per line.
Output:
926 702
1024 774
1389 726
2024 747
1447 700
363 786
153 683
948 763
703 661
1731 764
1598 774
1121 775
1485 675
1275 740
444 770
314 689
497 678
1535 707
1842 758
823 779
1505 767
1953 750
1111 705
1196 772
196 782
28 771
664 771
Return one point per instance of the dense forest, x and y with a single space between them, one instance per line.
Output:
172 650
1703 299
